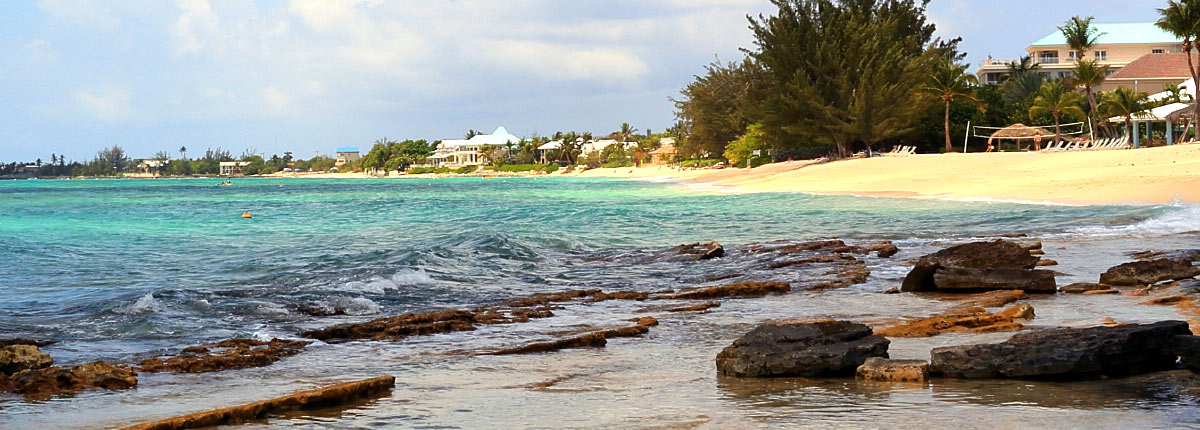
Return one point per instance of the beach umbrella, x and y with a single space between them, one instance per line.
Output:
1181 114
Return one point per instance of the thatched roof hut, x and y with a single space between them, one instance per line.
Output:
1181 114
1021 131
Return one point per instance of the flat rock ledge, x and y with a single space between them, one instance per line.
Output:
980 266
1066 353
1141 273
313 399
971 319
225 355
884 370
801 348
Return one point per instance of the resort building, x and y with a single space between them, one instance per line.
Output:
346 154
230 168
665 153
1118 46
469 152
1150 73
542 152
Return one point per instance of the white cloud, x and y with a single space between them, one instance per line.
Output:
105 103
197 24
41 51
559 62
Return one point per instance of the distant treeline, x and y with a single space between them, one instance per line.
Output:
114 161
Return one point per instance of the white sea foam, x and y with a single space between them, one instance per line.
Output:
356 305
1177 219
144 305
380 285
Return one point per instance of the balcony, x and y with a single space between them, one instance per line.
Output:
1047 60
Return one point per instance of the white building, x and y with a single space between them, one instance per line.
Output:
230 168
460 152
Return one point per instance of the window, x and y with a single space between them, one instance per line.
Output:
1071 55
1157 51
1101 55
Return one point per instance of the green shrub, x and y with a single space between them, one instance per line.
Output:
760 160
519 167
550 168
700 163
464 170
616 164
424 170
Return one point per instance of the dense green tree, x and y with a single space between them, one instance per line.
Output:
1182 19
1022 80
948 82
844 71
716 107
1125 103
742 149
1056 99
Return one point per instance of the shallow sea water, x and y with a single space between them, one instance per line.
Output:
121 269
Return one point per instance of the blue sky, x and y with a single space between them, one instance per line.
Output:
311 75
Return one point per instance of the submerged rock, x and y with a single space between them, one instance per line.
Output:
1083 287
801 348
595 339
325 397
15 358
973 319
1187 347
25 341
741 289
225 355
1147 272
882 369
693 252
1066 353
54 380
991 265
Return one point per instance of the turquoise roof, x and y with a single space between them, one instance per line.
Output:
347 149
1116 34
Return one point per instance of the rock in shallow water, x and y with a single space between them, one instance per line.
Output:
995 265
1149 272
801 348
15 358
225 355
52 381
882 369
1066 353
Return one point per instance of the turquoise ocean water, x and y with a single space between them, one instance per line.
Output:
115 269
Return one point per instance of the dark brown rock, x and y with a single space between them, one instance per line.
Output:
590 340
54 380
989 256
15 358
1066 353
225 355
801 348
992 299
693 252
741 289
1146 272
398 327
320 398
1001 278
25 341
1187 347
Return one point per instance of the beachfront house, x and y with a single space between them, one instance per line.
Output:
1118 46
544 151
664 154
1150 73
469 152
230 168
346 154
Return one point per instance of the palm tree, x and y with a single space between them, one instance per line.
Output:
1181 18
1080 35
951 80
1176 94
1125 103
472 133
626 132
1056 99
1022 80
1088 75
183 152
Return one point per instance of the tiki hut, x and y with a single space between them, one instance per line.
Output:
1019 132
1181 115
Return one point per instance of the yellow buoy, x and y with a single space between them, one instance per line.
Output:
246 215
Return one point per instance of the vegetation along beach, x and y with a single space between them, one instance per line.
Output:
854 216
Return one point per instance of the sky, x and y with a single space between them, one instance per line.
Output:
308 76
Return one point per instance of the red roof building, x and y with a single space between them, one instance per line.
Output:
1150 72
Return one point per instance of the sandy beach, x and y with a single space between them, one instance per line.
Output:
1141 176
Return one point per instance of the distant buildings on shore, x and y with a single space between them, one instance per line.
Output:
1139 55
346 154
469 152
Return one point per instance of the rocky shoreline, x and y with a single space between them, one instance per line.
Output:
977 276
